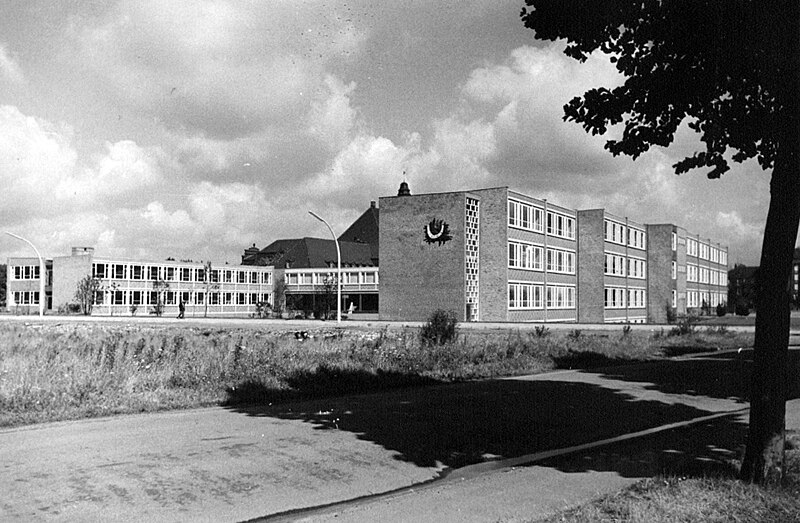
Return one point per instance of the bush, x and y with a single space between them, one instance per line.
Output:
440 328
722 310
741 309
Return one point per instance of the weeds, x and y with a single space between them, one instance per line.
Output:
54 372
440 328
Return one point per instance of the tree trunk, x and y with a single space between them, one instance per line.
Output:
763 462
764 458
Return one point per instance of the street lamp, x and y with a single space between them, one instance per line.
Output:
42 272
338 268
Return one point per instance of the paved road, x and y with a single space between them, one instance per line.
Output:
222 464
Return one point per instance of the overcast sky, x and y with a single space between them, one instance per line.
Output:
194 129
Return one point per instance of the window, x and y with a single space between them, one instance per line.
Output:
674 271
266 278
560 297
636 238
691 273
119 298
614 265
524 296
170 276
674 298
636 298
99 270
560 225
674 243
136 297
241 277
614 232
614 298
153 273
524 256
524 216
119 272
691 247
560 261
637 268
186 274
723 258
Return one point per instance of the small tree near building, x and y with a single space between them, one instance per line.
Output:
160 288
86 292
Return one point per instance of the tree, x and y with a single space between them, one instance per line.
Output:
732 70
86 292
3 277
160 289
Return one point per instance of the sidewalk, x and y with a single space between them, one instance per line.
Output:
542 489
243 463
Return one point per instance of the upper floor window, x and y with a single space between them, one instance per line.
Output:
525 216
614 232
560 225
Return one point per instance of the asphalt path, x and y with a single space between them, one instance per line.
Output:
275 461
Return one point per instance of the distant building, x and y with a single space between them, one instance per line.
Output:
127 286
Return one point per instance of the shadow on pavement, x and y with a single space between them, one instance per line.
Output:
723 375
707 449
466 423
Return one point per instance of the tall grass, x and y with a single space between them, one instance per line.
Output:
54 372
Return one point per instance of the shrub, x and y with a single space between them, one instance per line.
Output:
440 328
741 308
541 331
685 326
671 315
722 310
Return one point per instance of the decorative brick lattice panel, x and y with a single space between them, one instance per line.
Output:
471 258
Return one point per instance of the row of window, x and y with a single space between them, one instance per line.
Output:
621 234
174 297
703 251
532 296
26 272
529 217
703 275
617 265
528 256
122 271
622 298
322 278
702 299
26 297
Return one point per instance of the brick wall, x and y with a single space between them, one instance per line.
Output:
67 272
417 277
591 260
659 271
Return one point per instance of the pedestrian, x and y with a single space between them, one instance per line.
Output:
181 309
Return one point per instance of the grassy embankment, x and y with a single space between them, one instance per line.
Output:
69 371
690 498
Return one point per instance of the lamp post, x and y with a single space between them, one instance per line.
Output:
42 271
338 268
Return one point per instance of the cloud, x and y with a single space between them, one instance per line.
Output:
9 68
219 69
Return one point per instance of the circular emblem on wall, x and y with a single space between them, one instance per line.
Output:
437 231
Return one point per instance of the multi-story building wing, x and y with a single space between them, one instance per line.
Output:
23 280
135 287
488 254
612 268
688 274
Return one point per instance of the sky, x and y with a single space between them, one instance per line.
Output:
194 129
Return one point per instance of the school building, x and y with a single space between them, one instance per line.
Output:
491 254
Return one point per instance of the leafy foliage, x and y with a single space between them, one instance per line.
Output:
440 328
85 293
712 62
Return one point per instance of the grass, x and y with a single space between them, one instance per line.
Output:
672 499
52 372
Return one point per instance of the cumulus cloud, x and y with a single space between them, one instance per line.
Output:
221 69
